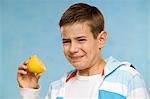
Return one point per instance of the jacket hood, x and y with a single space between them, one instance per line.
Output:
113 64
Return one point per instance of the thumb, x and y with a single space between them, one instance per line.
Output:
38 75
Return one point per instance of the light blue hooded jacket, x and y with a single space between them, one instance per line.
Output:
120 81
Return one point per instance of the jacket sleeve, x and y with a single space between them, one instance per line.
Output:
137 88
27 93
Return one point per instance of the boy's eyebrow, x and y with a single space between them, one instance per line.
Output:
65 39
75 37
80 37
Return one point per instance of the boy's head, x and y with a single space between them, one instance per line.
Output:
83 36
80 13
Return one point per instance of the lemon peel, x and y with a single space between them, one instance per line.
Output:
35 65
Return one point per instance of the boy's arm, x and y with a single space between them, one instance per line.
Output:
28 93
137 88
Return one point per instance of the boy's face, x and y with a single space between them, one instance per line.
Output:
80 47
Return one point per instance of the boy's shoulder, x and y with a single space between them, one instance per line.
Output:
128 68
61 82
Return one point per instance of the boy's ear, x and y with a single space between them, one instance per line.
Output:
102 37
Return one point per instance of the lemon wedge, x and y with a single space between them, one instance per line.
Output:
35 65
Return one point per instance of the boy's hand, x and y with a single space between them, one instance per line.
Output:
27 79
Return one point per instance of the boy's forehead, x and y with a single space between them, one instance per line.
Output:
76 24
76 28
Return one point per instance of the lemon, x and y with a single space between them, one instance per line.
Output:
35 65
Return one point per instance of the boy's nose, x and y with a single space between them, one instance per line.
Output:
73 48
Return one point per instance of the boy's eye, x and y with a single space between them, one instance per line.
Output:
81 40
64 42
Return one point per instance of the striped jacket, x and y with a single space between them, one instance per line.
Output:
120 81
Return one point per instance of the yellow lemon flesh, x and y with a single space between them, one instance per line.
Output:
35 65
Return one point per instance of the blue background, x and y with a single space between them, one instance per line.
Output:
30 27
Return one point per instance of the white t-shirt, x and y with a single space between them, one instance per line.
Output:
83 87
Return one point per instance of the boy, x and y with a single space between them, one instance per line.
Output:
83 37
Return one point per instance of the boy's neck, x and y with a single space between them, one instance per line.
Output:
96 69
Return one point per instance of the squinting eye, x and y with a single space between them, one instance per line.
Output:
81 40
64 42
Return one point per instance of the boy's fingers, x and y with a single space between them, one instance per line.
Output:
25 62
24 67
22 72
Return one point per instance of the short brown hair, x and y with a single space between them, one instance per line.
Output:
81 12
